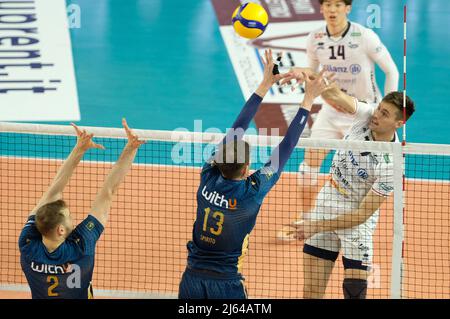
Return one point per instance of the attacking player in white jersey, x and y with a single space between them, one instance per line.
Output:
346 209
350 51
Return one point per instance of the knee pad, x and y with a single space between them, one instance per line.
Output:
355 288
307 176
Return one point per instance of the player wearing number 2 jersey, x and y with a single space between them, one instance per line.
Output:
229 199
57 260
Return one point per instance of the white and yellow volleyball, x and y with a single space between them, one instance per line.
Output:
250 20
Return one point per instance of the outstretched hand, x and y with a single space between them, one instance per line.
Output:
299 76
269 77
133 139
301 229
84 140
316 85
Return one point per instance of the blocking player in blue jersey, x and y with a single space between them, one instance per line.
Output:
229 198
58 260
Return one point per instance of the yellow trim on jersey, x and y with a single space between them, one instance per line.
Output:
243 253
337 187
90 292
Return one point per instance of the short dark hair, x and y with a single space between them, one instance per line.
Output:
232 157
396 99
347 2
49 216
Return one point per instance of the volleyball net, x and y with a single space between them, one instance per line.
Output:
142 252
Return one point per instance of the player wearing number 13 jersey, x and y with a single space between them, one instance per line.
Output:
229 199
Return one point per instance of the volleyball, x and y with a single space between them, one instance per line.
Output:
250 20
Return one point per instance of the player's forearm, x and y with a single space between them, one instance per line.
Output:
387 65
340 100
283 151
246 115
344 221
391 84
262 89
118 172
65 172
103 200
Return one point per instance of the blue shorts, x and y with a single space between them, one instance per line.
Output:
197 284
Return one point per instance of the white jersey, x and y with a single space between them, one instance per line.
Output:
353 173
351 57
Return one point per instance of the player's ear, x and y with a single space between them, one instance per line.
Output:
398 124
60 230
348 9
245 171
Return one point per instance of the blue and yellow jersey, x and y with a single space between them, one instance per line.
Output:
227 209
65 273
226 214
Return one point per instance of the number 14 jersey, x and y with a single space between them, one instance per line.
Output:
351 56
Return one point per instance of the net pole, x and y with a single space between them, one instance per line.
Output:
398 246
403 145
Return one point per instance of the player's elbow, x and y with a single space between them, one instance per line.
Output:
106 194
52 196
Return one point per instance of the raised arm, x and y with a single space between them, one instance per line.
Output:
313 88
55 190
379 54
102 203
391 72
339 100
250 108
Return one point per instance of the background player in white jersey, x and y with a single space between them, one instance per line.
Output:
346 210
350 51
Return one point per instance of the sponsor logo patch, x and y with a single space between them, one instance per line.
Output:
363 173
90 226
355 68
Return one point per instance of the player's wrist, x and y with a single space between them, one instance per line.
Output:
262 89
80 148
307 102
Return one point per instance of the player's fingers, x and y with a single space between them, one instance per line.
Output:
269 57
321 73
99 146
331 76
306 78
77 130
129 132
125 124
289 75
287 80
263 60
